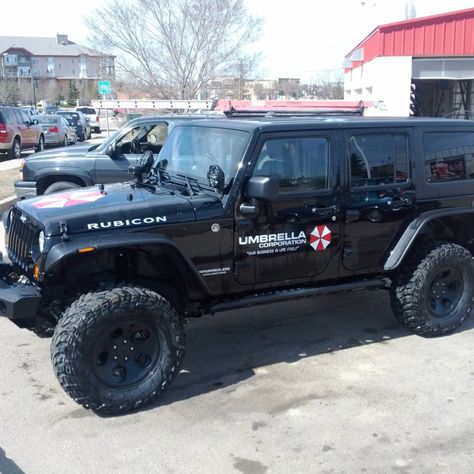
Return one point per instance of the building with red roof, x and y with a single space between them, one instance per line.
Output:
423 66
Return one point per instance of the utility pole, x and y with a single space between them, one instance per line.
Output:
241 78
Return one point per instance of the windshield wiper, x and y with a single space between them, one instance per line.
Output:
193 186
189 186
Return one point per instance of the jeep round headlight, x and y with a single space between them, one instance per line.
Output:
41 241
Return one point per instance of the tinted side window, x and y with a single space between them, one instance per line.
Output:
380 159
24 116
448 156
301 163
18 116
10 116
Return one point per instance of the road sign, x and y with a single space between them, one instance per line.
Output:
104 88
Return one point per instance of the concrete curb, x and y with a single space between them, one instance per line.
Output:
6 203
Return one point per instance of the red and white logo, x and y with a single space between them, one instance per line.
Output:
73 198
320 238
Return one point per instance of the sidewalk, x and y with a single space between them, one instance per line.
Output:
10 164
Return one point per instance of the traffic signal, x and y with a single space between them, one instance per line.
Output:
414 102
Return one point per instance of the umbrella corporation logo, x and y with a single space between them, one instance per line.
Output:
319 239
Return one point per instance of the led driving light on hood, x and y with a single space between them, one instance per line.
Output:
41 241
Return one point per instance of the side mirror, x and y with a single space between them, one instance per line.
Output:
111 150
264 188
35 122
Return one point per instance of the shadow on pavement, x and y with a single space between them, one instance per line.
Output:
7 466
224 349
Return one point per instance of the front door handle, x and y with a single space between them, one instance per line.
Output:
352 215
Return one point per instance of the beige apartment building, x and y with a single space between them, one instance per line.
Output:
47 68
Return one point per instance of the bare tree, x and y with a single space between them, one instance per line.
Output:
173 47
410 10
328 85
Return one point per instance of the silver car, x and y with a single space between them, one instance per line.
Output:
57 130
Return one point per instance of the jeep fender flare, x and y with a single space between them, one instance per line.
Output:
156 242
64 172
406 241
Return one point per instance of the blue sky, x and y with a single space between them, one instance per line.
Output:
301 38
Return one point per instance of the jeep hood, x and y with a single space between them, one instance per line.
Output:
121 206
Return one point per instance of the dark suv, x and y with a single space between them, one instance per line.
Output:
18 131
237 213
85 165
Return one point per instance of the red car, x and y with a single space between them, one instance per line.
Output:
18 132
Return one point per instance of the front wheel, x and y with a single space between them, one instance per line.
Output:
432 293
114 351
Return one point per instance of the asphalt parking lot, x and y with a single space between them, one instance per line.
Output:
327 385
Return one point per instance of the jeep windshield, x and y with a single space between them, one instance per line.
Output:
191 151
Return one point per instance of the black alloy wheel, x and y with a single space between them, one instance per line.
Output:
125 353
445 291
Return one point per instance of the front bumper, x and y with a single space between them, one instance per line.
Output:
17 301
25 189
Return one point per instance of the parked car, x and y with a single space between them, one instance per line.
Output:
19 132
92 116
57 130
85 165
79 122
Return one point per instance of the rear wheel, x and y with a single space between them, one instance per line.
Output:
116 350
66 141
60 186
432 294
15 150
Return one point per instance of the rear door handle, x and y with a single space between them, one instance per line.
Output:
324 211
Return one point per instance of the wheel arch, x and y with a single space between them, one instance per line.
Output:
454 225
45 179
152 261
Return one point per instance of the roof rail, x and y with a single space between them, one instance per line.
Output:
276 108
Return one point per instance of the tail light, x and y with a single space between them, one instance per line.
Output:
3 133
53 130
97 119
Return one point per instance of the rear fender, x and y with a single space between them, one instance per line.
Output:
418 226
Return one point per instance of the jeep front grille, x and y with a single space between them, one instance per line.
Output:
21 236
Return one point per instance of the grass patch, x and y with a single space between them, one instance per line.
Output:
7 178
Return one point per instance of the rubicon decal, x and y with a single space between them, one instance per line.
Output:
68 199
126 223
320 238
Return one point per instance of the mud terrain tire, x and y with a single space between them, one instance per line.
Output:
433 291
116 350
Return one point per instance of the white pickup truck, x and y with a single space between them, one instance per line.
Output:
92 116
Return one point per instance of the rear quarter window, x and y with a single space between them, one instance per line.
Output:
448 156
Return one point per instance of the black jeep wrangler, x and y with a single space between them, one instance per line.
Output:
239 213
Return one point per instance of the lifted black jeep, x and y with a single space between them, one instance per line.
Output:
238 213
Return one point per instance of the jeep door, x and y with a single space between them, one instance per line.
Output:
298 235
380 197
128 150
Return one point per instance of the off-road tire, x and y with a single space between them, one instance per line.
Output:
414 291
60 186
88 320
15 150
